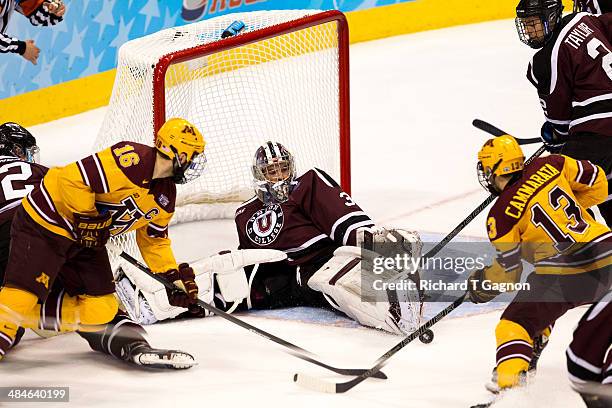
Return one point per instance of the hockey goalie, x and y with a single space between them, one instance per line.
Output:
302 242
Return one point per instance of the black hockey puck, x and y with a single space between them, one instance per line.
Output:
427 337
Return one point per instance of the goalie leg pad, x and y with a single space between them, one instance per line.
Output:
146 300
340 279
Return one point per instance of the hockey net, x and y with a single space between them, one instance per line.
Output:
283 78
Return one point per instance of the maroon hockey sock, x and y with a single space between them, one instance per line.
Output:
116 336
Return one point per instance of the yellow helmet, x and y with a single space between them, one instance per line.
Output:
179 137
499 157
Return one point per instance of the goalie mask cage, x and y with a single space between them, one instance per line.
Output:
283 78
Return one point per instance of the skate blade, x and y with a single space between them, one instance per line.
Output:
169 360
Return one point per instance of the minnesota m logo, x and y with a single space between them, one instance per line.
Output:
44 279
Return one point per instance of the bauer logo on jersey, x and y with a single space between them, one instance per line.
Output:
264 226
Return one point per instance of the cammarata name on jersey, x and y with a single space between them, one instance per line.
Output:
440 285
528 188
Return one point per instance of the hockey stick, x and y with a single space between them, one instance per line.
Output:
495 131
294 350
317 384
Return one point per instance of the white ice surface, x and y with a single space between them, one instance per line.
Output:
413 99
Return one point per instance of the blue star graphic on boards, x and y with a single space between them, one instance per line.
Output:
149 10
43 78
105 16
58 29
93 66
170 19
2 71
13 90
75 48
123 35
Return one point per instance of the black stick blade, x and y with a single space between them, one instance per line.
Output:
487 127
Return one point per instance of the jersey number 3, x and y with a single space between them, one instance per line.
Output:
576 223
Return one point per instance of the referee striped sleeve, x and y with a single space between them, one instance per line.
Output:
10 44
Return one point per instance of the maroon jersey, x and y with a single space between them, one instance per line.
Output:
573 75
317 215
17 179
595 6
586 355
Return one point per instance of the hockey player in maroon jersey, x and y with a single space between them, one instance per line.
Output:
319 227
572 74
121 337
593 6
297 248
590 369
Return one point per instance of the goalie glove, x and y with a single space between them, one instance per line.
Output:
381 239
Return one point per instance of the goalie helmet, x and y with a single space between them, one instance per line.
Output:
179 137
537 20
500 156
17 141
273 172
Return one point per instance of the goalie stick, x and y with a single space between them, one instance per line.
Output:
336 388
495 131
294 350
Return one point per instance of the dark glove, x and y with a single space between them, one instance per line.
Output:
476 292
553 141
92 231
184 278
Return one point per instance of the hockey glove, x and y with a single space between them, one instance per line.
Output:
553 141
476 292
184 279
92 231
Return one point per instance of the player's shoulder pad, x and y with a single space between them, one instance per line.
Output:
323 176
135 160
253 201
37 169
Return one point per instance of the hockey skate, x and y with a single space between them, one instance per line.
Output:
144 355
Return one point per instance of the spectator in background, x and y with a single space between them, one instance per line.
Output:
39 12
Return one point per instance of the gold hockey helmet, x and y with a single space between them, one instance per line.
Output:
179 137
499 157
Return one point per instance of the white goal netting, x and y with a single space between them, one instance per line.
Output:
284 88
